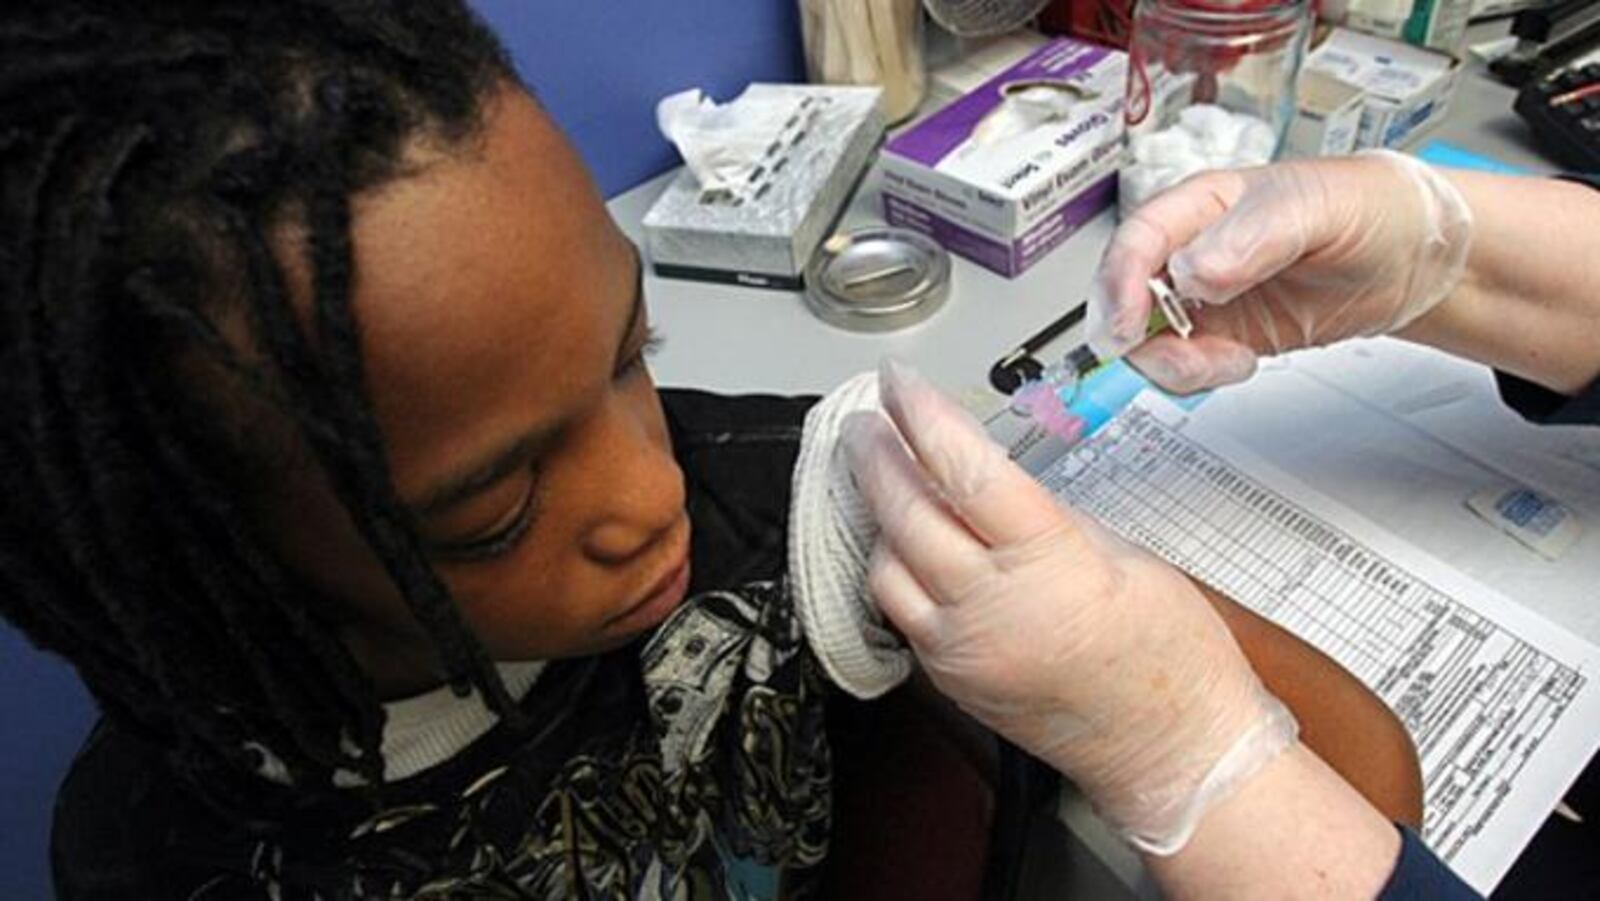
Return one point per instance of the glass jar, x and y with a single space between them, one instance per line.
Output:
867 42
1211 85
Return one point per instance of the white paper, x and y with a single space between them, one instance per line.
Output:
1404 435
1501 703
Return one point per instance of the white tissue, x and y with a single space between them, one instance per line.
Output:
1205 137
725 145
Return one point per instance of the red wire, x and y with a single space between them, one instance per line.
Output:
1574 95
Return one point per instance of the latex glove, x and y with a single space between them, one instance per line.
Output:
1284 256
1082 649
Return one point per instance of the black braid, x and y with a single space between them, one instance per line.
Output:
149 154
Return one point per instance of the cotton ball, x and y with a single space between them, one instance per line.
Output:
1223 138
1221 159
1215 130
1184 163
1170 148
1138 183
1206 137
1154 148
1256 144
1203 118
1148 181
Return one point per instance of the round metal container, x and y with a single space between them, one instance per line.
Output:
877 279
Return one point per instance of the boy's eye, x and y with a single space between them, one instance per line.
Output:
501 540
648 348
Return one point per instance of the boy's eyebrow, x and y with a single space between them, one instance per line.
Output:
459 486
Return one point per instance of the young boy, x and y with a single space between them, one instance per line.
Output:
333 465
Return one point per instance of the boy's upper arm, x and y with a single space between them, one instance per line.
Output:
1341 720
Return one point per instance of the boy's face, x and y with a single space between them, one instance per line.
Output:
502 330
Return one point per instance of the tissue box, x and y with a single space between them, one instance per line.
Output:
1327 117
766 241
1005 204
1408 89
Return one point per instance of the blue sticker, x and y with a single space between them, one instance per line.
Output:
1108 390
1531 510
1443 153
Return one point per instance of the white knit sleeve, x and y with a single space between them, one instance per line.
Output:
831 534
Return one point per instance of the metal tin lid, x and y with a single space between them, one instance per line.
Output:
877 279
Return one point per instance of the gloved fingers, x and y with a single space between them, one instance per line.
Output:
1119 300
901 598
1187 365
1262 320
1299 310
913 520
1262 234
1119 295
996 499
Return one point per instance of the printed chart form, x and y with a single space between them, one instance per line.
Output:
1501 704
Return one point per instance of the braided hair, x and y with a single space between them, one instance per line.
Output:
151 153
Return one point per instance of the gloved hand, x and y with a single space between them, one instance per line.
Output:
1084 650
1283 256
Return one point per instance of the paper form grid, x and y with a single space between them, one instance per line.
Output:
1479 701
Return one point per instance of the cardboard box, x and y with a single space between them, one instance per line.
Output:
1407 89
1327 117
767 242
1006 202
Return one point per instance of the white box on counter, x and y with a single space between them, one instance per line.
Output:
1327 117
1408 89
1010 170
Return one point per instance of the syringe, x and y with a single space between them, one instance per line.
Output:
1065 378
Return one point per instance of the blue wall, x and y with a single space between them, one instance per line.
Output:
46 714
599 66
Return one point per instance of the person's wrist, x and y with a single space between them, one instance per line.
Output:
1457 319
1154 777
1296 829
1525 303
1421 234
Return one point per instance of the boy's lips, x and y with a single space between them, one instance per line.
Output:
657 603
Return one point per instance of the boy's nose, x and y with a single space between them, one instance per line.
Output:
644 497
